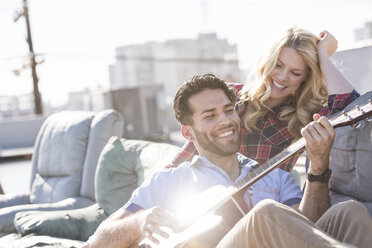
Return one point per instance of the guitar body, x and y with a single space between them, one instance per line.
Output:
230 213
213 213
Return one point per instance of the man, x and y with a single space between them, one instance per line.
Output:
204 106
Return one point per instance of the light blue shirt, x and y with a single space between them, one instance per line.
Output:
173 188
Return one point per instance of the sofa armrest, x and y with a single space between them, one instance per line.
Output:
15 240
14 199
7 214
77 224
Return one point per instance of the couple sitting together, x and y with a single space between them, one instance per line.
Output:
232 131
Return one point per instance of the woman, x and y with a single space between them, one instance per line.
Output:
290 88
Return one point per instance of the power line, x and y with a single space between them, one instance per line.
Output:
15 57
188 2
239 3
128 58
179 60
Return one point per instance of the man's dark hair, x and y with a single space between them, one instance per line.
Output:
192 87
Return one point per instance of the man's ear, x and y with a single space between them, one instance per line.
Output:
186 132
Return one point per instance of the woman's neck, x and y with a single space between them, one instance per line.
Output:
272 103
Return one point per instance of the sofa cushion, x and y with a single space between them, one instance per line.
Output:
54 189
122 167
351 160
62 141
13 199
78 224
69 131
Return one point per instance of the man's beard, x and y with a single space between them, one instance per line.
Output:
215 146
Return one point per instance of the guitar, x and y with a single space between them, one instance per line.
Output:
229 206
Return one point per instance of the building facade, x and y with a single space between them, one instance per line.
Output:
171 62
363 33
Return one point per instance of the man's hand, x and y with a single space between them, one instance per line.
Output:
155 218
319 136
327 44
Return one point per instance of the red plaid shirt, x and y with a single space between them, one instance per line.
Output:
274 136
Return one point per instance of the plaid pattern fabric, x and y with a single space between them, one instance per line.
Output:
336 103
274 136
272 139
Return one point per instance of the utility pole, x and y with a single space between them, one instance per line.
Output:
37 96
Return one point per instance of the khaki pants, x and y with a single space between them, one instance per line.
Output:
271 224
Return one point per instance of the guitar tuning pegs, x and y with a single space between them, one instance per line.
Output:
255 165
360 109
347 115
357 125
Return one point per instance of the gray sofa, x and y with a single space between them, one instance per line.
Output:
351 160
64 162
122 166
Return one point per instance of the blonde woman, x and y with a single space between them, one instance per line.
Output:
294 80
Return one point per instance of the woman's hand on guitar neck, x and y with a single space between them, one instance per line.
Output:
319 136
154 220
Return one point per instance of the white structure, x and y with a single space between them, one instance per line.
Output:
88 99
364 32
171 62
356 64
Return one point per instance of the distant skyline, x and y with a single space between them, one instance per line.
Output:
77 38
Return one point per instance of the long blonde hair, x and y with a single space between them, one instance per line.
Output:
310 96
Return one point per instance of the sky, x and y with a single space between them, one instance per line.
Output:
76 39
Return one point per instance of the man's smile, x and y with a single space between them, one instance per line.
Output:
227 133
